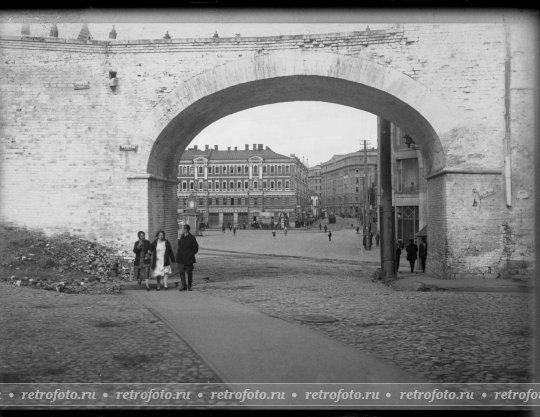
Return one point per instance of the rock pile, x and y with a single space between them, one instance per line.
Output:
63 263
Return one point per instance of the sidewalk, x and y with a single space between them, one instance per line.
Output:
244 346
419 281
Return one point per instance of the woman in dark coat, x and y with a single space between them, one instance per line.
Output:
162 258
412 251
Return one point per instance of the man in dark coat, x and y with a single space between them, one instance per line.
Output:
412 251
185 257
141 265
422 253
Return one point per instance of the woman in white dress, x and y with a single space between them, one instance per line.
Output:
162 258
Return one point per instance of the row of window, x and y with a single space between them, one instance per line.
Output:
235 169
240 185
242 201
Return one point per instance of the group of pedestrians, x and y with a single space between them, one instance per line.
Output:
155 260
413 253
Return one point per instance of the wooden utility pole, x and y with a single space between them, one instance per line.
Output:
365 194
388 252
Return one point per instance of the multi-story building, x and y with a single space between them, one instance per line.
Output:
242 187
409 186
343 186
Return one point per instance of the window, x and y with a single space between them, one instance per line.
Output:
224 185
239 169
200 185
279 185
201 202
264 169
239 185
209 185
191 170
246 169
210 169
272 169
217 185
271 185
255 169
200 170
264 185
231 169
279 169
246 185
231 185
191 185
288 167
232 201
209 201
255 185
184 185
407 176
287 185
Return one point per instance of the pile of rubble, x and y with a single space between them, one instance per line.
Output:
62 263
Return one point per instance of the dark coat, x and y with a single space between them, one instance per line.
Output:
138 252
412 250
169 255
187 248
422 250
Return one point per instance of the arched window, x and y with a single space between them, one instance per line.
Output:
271 185
255 185
271 169
239 185
231 185
279 185
255 169
246 185
200 169
279 169
224 185
287 185
191 185
200 185
184 185
217 185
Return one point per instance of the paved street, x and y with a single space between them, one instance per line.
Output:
446 336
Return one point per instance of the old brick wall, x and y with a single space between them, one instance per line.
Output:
62 169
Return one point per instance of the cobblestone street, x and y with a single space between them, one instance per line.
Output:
445 336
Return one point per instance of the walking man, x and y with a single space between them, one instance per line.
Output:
329 235
412 251
422 253
185 257
320 227
325 228
285 230
234 230
274 233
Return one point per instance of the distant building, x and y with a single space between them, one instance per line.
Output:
342 185
244 186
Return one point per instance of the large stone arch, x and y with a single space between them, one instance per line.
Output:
279 77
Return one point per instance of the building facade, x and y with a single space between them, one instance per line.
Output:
409 186
343 186
243 187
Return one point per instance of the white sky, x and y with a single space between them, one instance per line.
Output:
311 130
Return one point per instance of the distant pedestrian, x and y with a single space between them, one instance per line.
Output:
329 235
162 258
141 265
230 227
274 233
357 229
422 253
223 227
364 241
370 240
398 254
185 257
285 230
352 225
377 238
325 228
320 226
234 230
412 251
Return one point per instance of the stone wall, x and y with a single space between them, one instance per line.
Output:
62 125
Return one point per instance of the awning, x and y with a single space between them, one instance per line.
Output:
422 232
